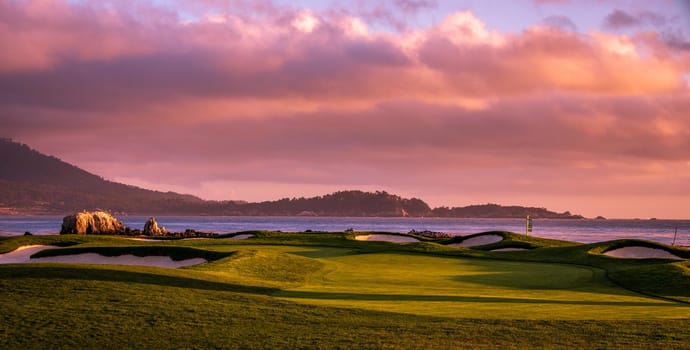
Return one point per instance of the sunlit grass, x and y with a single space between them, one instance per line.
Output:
328 290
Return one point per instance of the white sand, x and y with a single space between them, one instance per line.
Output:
386 238
23 255
641 253
93 258
146 240
478 240
508 250
242 236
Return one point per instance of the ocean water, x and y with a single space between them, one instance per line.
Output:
585 231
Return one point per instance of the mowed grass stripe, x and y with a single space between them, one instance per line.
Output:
476 288
64 312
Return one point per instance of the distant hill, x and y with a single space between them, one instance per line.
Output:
34 183
500 211
343 203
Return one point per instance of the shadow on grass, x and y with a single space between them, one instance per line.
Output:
517 275
324 252
456 298
113 275
174 252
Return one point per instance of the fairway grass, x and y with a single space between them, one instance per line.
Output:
330 291
50 310
476 288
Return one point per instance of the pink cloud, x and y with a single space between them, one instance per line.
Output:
234 56
320 100
44 33
619 19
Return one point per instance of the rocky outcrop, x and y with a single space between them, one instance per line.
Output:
96 222
151 228
430 234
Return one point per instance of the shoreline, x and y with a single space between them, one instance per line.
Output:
582 231
307 217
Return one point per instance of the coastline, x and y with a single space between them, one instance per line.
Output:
583 231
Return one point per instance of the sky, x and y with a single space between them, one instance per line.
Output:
570 105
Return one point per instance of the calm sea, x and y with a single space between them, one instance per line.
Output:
585 231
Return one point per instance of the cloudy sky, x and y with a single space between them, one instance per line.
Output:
570 105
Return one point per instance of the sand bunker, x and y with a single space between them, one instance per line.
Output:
23 255
242 236
145 239
386 238
508 250
93 258
478 240
641 253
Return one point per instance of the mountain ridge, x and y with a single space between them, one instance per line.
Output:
35 183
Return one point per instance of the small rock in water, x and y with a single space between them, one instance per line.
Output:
151 228
430 234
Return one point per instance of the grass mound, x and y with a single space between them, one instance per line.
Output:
671 280
602 248
509 240
265 268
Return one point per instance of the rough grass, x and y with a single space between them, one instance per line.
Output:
326 290
90 307
52 310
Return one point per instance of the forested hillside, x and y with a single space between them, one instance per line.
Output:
34 183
